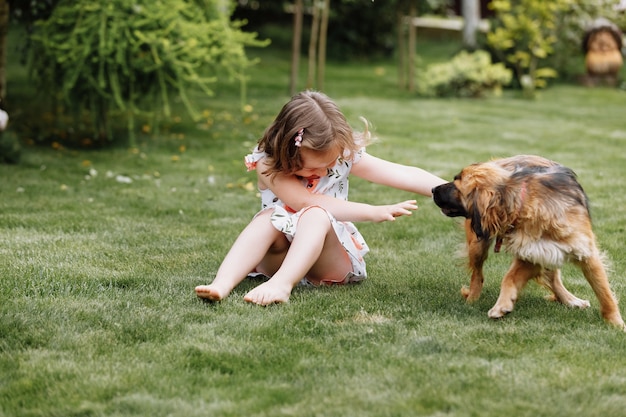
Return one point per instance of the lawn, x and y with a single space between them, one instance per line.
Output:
101 251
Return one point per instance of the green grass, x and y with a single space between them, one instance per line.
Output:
98 315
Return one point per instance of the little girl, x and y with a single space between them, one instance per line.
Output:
304 228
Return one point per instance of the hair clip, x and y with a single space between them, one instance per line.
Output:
298 138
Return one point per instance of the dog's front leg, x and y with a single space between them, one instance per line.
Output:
477 252
515 279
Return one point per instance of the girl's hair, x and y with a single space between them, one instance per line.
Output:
324 129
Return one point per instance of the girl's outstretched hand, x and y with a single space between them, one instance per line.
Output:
390 212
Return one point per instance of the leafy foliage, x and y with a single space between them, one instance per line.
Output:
10 148
466 75
524 35
135 55
572 24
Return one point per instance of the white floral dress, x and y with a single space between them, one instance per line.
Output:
334 184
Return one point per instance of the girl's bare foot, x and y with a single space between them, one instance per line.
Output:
210 292
269 293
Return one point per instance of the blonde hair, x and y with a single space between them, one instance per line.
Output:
324 129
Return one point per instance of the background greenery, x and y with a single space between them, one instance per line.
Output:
101 251
100 67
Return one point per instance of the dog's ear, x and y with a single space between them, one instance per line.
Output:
484 212
476 222
489 212
485 185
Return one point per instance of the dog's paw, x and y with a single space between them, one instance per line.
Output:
467 294
497 312
578 303
465 291
615 319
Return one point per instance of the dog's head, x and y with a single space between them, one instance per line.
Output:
477 193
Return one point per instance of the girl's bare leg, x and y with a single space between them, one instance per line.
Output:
259 240
315 252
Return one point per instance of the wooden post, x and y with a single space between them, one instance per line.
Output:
470 10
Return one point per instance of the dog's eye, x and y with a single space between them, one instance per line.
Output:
457 177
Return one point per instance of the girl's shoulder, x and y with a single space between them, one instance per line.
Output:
356 156
254 158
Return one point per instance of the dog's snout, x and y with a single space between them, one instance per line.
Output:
438 188
446 196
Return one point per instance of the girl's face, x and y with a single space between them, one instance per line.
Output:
316 164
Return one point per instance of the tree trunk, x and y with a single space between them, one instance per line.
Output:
471 16
412 42
295 46
315 31
4 28
400 24
321 56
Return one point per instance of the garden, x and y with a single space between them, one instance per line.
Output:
103 243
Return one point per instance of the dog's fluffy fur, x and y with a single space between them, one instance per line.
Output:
539 211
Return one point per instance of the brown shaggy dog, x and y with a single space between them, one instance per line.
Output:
539 211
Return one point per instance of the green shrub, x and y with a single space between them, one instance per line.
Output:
10 148
568 56
135 56
523 34
9 145
466 75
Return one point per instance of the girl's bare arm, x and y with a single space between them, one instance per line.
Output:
391 174
289 189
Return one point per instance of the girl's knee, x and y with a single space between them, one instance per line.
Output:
263 219
265 214
317 215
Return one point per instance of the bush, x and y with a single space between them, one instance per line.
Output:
466 75
568 57
134 56
523 34
10 149
9 145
